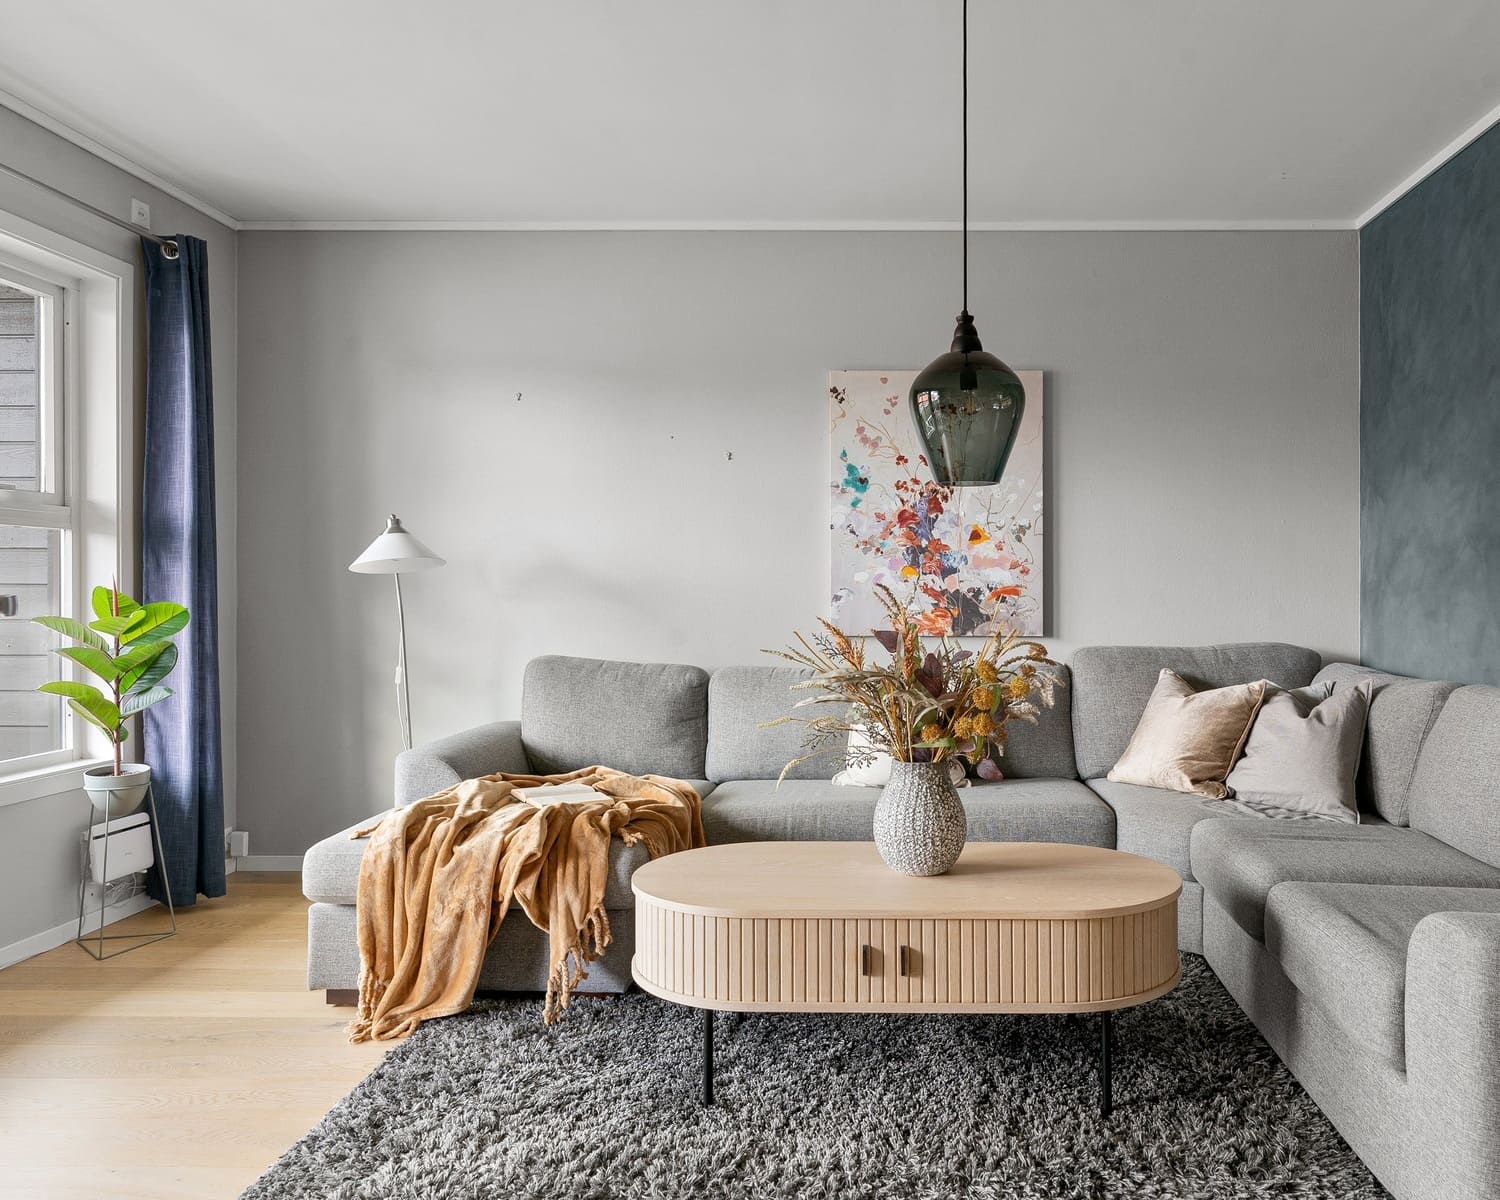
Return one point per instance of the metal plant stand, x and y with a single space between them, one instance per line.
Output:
94 942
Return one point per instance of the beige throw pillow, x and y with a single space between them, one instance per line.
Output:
1186 740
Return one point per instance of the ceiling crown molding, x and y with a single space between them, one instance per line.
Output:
742 226
1470 135
114 158
98 149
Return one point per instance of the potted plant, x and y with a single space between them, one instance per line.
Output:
924 708
129 648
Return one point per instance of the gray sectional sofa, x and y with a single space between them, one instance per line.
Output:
1368 955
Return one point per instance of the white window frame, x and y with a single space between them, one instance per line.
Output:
54 388
93 497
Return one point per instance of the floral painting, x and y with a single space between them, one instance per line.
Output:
967 561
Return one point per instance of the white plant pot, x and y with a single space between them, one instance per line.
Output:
120 794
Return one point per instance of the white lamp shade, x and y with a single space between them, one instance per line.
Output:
394 550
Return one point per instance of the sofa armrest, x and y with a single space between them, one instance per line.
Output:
1453 1052
483 750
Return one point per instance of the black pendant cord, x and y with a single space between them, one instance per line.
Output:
965 77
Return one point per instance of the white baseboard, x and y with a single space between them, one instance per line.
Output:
61 935
269 862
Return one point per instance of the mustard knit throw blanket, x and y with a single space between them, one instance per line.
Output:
439 876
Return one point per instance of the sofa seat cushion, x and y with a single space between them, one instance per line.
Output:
330 869
1344 946
801 810
1239 862
1156 823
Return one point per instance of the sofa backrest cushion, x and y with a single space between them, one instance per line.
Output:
1402 711
740 701
642 718
1455 792
1111 685
1044 750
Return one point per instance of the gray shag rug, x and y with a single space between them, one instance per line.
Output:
492 1105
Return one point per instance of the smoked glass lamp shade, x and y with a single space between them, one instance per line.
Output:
967 407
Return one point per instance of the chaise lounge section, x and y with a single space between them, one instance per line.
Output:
1369 956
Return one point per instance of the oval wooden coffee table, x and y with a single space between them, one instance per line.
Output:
1015 927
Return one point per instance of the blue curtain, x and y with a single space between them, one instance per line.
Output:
179 561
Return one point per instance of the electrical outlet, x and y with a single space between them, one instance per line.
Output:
140 213
239 843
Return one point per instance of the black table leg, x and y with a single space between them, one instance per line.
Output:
708 1056
1106 1046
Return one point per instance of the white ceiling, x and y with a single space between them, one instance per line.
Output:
813 113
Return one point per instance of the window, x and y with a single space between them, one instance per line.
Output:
67 483
36 521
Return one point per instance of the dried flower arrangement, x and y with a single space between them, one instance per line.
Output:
924 705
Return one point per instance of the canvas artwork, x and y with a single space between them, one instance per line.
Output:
967 560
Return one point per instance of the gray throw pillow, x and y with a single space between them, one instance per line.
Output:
1303 753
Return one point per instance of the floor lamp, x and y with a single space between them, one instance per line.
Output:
392 553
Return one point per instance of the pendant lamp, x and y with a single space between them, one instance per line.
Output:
967 404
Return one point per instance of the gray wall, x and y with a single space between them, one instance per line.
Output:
38 854
1430 424
553 413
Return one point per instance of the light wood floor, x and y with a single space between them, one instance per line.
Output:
179 1070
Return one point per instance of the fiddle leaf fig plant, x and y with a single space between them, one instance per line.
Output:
129 648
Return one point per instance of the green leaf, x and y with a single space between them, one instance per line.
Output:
91 719
119 734
145 664
155 668
139 701
96 661
88 701
101 601
70 628
157 671
115 627
162 620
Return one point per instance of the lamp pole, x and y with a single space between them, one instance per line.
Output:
403 688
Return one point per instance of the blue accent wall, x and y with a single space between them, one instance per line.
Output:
1430 425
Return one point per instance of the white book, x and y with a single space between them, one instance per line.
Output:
557 793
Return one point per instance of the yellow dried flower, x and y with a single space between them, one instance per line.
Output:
984 724
986 671
983 698
963 727
1018 688
931 732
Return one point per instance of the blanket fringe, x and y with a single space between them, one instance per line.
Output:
371 989
571 968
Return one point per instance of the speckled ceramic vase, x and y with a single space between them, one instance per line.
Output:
919 820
